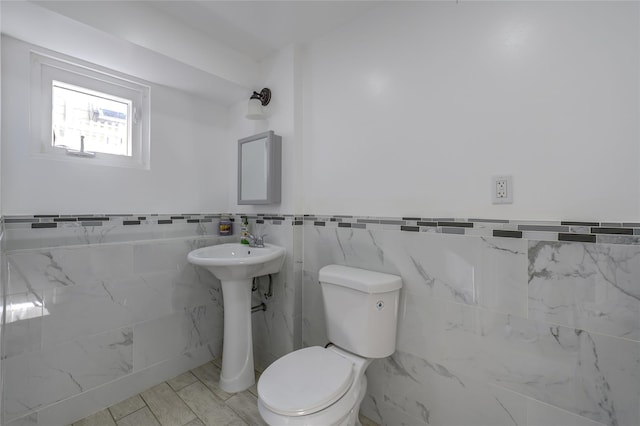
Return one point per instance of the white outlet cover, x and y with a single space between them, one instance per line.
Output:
498 183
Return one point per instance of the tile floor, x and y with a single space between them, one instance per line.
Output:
190 399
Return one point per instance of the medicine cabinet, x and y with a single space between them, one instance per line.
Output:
260 169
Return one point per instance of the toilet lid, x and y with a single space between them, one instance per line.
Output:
305 381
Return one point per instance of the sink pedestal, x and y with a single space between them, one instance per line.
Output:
237 348
235 265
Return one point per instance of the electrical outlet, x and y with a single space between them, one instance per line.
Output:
502 189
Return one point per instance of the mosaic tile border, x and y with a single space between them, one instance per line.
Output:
574 231
65 221
570 231
61 221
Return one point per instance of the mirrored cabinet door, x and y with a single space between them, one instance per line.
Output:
259 169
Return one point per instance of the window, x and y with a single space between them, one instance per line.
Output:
83 114
102 121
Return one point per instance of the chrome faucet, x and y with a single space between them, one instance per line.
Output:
256 241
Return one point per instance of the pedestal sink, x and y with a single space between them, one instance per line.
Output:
235 265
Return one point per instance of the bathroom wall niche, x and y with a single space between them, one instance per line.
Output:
260 168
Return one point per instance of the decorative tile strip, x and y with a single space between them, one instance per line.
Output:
507 234
20 220
544 230
618 239
584 238
94 218
456 224
432 224
570 223
489 220
625 231
368 221
551 228
392 222
44 225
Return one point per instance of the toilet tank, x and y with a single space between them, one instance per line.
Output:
361 309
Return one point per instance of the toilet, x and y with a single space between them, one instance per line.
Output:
325 386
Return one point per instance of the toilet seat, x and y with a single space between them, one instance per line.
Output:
305 381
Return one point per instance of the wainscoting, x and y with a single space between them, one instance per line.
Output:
501 322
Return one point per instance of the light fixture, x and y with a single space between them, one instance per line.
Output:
256 102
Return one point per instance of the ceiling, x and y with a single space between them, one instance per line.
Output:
213 45
258 28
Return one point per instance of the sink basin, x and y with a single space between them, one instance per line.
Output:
235 265
236 261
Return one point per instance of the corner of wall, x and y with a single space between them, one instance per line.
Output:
2 259
278 73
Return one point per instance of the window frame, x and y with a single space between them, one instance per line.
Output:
46 69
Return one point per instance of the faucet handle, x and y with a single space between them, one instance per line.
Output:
260 240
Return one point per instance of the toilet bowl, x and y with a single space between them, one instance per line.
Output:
325 386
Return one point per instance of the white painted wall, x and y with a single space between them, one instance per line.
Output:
407 111
141 51
147 26
411 109
0 170
279 76
188 173
3 268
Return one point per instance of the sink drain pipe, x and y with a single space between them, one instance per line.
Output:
268 295
254 287
258 308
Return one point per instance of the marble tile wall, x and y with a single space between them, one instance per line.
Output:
102 307
23 232
500 322
3 280
492 330
102 314
278 330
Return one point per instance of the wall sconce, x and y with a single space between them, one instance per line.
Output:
256 102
